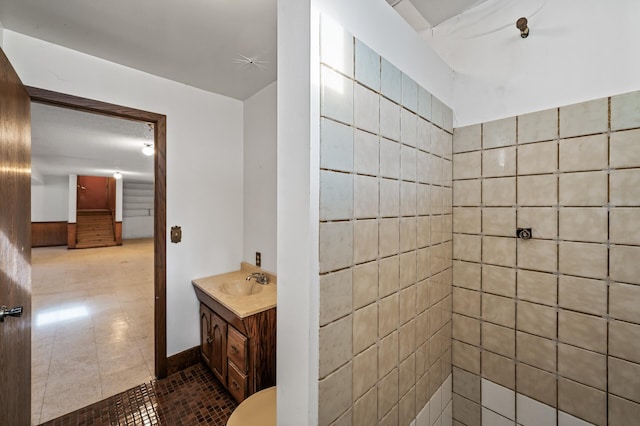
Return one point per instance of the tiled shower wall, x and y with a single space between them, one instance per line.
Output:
385 242
547 331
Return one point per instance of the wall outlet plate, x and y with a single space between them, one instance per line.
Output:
258 258
524 233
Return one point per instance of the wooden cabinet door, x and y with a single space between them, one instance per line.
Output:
219 349
206 342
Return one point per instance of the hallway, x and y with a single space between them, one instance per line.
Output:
92 325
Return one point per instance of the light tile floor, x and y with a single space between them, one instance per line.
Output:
92 325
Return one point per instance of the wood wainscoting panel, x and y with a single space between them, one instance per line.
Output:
71 235
118 233
183 360
48 234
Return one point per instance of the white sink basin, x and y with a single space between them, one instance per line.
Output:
241 288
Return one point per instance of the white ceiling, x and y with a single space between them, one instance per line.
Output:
424 14
66 141
196 42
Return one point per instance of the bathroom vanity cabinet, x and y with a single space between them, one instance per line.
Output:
241 352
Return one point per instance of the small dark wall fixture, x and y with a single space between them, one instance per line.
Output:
176 234
523 233
521 24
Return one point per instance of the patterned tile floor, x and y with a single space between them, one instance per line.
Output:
190 397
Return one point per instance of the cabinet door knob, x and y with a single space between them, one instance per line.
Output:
234 350
209 339
235 385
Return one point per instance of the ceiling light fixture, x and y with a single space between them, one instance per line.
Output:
117 175
147 149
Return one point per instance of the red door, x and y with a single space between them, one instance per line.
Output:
15 247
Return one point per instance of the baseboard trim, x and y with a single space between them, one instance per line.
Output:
182 360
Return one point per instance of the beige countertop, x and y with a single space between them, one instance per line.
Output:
242 306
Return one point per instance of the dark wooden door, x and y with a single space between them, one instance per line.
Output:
93 193
15 246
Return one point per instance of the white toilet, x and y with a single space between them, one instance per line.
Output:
257 410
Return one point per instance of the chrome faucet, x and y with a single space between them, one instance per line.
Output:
260 278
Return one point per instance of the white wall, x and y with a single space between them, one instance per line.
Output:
50 199
137 227
204 162
72 209
260 169
1 35
376 24
577 50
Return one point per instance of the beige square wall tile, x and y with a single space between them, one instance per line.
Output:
499 280
583 259
537 384
538 190
537 158
334 395
499 192
408 233
536 319
466 192
407 304
336 296
585 367
468 138
624 265
365 197
622 411
466 274
365 240
625 187
389 237
624 340
466 329
625 111
499 221
407 407
466 384
389 314
584 118
335 345
500 340
407 339
623 225
365 284
365 327
408 201
537 287
624 301
625 149
543 221
467 247
466 220
585 153
365 410
583 189
336 146
538 254
538 126
583 224
585 331
423 199
536 351
582 294
466 165
408 269
366 153
466 412
498 162
407 373
336 245
363 364
465 356
389 276
387 393
387 354
499 369
499 251
499 133
389 158
408 128
624 379
498 310
424 231
582 401
389 198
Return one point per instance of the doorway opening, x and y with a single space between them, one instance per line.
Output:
155 247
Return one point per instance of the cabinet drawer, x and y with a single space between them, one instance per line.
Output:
236 383
237 349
